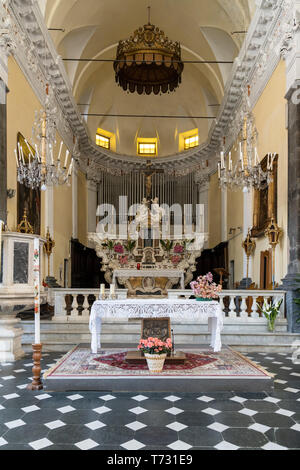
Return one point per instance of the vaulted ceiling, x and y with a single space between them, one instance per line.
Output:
94 27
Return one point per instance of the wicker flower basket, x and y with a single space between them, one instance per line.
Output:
155 362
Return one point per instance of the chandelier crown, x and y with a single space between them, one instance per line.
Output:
148 62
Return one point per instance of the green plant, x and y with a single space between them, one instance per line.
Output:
186 243
108 244
167 245
129 246
270 310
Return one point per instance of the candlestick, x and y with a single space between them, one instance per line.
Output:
112 291
102 291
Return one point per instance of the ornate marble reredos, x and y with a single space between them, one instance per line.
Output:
24 34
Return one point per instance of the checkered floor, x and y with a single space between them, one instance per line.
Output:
150 421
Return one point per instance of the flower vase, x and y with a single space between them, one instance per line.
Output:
155 362
271 325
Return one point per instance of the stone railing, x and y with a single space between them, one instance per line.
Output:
240 304
72 304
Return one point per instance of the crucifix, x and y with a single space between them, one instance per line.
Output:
148 172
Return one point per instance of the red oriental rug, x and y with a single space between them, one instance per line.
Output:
81 363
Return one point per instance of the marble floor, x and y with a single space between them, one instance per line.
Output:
150 421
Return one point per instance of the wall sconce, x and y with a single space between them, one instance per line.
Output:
10 193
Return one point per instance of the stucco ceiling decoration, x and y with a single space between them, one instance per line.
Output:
148 62
255 63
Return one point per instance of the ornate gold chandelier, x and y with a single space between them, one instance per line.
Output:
148 62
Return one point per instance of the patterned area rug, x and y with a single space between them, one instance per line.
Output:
80 362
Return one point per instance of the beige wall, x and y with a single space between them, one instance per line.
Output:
270 118
270 115
21 106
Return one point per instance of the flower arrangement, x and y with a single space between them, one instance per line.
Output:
270 310
123 259
118 248
155 346
176 259
178 248
205 288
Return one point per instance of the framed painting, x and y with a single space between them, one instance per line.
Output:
156 327
265 202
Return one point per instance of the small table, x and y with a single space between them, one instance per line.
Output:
175 309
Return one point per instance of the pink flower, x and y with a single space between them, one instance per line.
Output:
178 248
118 248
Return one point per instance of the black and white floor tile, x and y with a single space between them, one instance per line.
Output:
150 421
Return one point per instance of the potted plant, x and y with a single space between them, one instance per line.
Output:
205 289
109 244
270 310
155 351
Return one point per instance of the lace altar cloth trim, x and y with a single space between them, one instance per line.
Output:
157 308
154 308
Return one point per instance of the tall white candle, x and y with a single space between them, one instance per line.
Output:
51 154
16 158
219 171
36 275
222 160
60 149
102 289
112 289
22 155
37 153
66 159
230 162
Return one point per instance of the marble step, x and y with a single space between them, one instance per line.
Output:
134 327
64 338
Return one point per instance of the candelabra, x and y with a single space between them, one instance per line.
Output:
273 232
249 247
36 167
247 172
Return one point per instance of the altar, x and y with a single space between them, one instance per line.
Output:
181 309
152 280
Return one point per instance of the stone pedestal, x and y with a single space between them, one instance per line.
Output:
10 339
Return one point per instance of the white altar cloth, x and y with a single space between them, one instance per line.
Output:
150 272
181 309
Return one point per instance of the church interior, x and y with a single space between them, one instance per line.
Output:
149 225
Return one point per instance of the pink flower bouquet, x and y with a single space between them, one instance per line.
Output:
205 288
123 259
178 248
175 259
155 346
118 248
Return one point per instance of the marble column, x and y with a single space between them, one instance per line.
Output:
289 283
3 153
